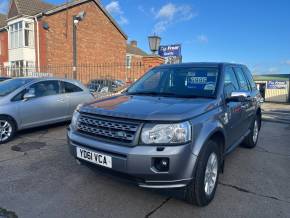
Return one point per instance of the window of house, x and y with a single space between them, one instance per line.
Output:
128 61
16 68
28 33
21 34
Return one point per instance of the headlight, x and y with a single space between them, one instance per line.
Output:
75 118
166 133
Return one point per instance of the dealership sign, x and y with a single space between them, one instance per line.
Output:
170 50
275 84
171 53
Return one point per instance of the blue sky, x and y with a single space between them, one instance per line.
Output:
256 33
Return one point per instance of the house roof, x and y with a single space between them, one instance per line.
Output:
27 7
3 22
135 51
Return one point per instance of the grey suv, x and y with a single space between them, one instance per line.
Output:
172 128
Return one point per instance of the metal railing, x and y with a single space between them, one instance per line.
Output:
102 79
85 72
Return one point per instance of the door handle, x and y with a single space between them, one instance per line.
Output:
60 100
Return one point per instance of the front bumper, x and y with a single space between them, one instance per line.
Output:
137 162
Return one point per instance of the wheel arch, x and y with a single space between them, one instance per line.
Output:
216 133
11 118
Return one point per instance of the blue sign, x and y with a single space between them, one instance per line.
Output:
275 84
170 51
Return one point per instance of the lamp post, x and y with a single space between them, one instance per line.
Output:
76 20
154 43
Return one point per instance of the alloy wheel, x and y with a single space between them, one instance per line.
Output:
255 131
5 130
211 173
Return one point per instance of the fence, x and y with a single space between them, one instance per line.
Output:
84 72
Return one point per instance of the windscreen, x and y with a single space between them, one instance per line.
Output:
178 82
9 86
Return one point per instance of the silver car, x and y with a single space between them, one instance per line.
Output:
31 102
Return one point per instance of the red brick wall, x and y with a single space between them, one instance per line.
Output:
98 39
4 47
152 61
42 45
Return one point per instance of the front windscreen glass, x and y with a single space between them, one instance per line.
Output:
9 86
178 82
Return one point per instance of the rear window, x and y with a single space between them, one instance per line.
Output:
70 88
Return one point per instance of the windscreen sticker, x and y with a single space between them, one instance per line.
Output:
209 86
201 81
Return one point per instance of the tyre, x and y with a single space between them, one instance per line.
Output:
7 129
202 189
252 139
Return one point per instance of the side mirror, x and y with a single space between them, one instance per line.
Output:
238 97
28 96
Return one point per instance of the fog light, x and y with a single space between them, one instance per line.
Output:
161 164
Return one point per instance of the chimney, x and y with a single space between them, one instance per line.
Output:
133 43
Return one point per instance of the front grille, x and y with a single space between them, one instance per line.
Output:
109 129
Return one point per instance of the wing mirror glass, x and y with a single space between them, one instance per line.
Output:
239 97
30 94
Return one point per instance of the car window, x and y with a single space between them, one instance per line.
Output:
231 83
19 96
178 82
244 86
45 88
70 88
250 78
11 85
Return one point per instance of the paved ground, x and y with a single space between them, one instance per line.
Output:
276 112
43 180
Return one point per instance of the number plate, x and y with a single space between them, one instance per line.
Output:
94 157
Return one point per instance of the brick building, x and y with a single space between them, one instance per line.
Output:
39 34
36 38
3 40
134 54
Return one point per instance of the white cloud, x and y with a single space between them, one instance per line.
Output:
123 20
4 6
171 13
167 11
160 27
202 39
273 70
115 10
287 62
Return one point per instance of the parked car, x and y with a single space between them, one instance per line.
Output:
172 128
3 78
31 102
105 85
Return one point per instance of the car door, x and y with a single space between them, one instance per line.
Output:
233 109
76 95
254 96
246 106
48 106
